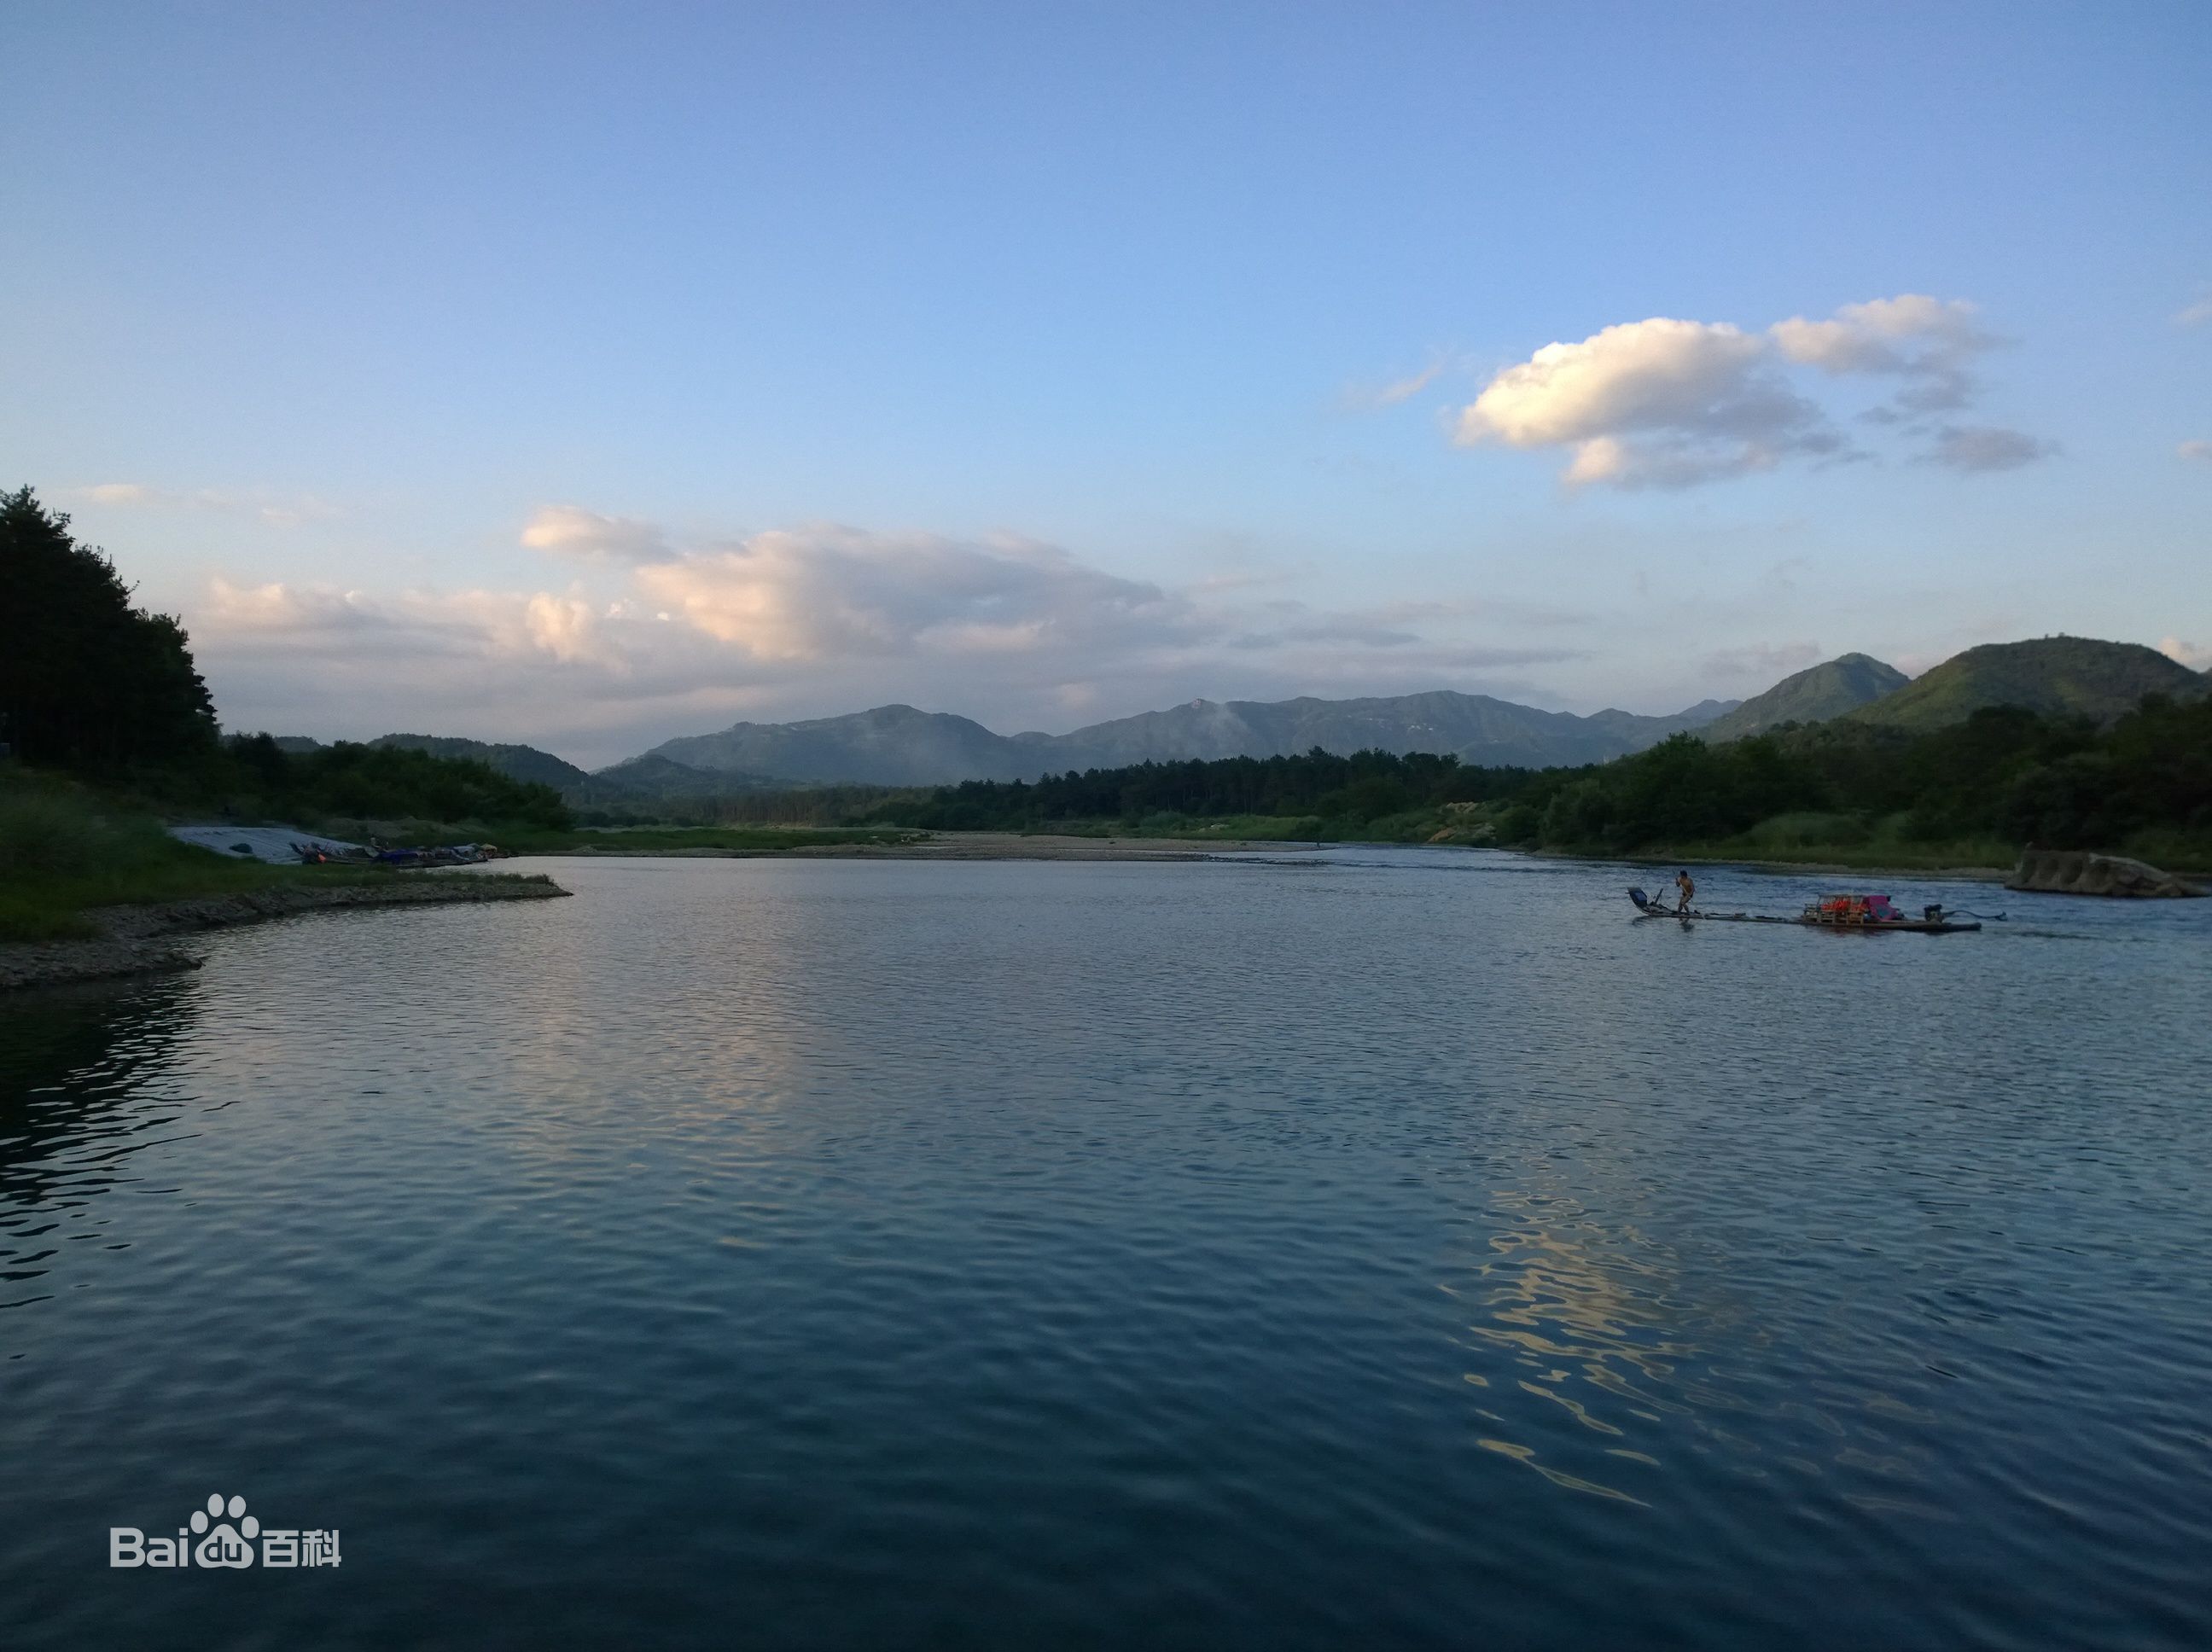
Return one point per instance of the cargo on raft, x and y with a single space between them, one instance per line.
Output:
1867 915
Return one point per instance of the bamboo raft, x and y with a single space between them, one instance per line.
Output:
1858 914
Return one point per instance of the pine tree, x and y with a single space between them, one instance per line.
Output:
87 680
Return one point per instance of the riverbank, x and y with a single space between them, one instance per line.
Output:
140 938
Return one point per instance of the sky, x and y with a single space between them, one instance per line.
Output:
586 375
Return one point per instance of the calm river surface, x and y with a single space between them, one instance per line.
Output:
1397 1248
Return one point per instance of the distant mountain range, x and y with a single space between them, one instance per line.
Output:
898 745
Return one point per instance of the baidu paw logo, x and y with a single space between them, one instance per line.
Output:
221 1537
226 1546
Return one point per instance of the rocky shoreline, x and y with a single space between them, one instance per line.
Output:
136 940
2070 871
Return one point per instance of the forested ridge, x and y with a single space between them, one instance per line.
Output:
2004 775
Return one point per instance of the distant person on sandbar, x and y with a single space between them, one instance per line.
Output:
1688 888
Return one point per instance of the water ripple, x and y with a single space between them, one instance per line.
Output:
1380 1248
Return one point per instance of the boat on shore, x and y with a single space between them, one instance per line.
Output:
1863 914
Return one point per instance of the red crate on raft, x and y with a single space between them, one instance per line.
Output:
1857 910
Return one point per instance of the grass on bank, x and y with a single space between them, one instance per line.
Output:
66 849
65 852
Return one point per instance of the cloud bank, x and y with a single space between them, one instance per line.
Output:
650 638
835 593
1665 402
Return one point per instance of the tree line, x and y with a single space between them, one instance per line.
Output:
2004 773
366 782
94 686
1363 786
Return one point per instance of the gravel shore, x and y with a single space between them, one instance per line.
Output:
135 940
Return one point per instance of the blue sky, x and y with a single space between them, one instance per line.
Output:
1050 363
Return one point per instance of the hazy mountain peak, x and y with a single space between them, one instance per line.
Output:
1828 690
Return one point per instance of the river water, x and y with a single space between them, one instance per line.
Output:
1383 1248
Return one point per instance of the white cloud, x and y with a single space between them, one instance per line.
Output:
282 609
276 510
489 625
1986 447
2199 450
823 593
1668 403
2196 656
2196 313
1659 403
567 628
571 531
1931 342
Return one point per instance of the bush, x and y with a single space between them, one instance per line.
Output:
48 833
1582 815
1520 823
1369 798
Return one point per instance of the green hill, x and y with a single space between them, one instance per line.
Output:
654 779
518 762
1813 695
2056 677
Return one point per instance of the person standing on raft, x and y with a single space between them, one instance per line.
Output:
1688 888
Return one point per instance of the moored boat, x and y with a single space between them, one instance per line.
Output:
1869 915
